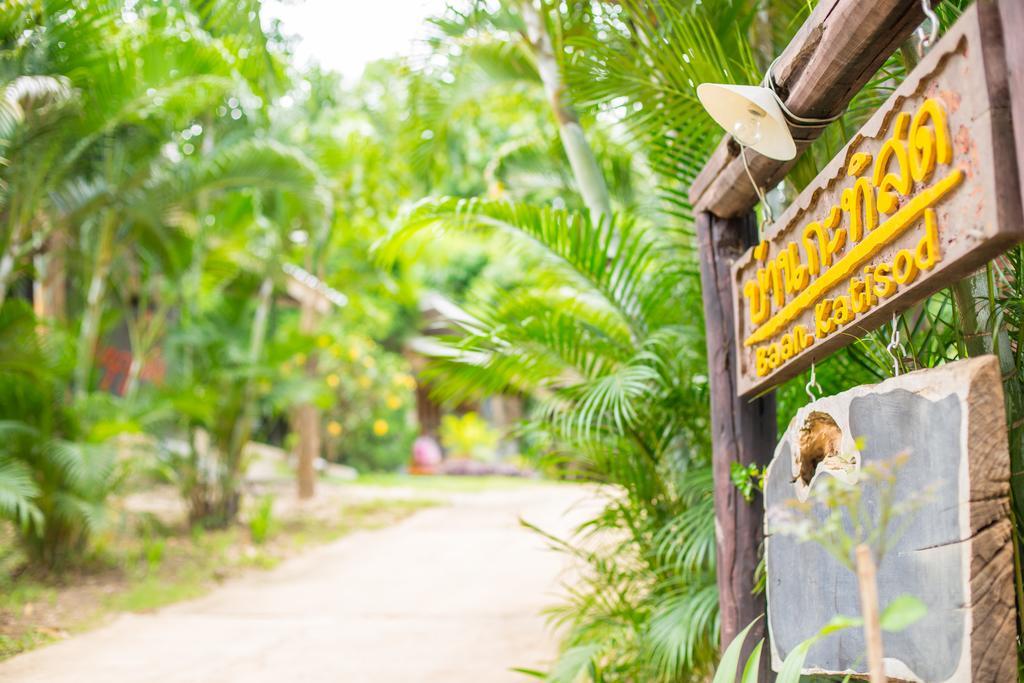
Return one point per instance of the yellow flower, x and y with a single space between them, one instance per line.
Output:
380 427
323 341
334 428
333 381
300 359
393 401
336 350
365 382
410 382
353 353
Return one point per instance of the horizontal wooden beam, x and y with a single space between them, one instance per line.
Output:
837 50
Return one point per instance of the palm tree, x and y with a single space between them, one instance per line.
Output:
596 335
134 138
576 333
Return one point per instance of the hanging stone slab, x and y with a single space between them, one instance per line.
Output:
955 554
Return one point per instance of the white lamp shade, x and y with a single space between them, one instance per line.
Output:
751 115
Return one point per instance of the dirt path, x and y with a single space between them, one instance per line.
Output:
451 595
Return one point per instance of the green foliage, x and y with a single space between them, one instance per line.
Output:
153 550
602 327
469 436
368 423
53 480
144 164
728 666
747 479
261 520
903 612
590 334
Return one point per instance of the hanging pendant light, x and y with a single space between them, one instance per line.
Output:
750 114
756 116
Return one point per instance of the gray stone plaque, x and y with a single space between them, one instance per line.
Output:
955 551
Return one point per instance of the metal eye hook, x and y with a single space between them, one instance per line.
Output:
812 383
894 345
926 40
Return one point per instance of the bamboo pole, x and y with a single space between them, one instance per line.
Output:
868 587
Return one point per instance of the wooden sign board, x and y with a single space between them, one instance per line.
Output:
955 552
924 194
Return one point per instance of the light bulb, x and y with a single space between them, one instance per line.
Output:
747 129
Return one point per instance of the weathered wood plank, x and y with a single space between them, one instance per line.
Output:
926 192
836 51
954 552
1012 15
742 431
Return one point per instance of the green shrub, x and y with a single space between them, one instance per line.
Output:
54 483
370 427
261 521
153 550
469 436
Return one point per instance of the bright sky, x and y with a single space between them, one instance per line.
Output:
346 35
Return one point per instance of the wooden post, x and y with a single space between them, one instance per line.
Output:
307 417
742 431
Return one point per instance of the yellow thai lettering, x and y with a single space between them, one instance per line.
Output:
886 181
859 204
820 258
856 257
929 145
858 162
839 248
758 301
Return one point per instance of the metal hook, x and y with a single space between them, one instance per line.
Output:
926 40
812 383
895 344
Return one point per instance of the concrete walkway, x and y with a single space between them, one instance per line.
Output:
450 595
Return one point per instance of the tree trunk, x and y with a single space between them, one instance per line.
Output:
306 421
89 332
257 339
50 295
742 432
8 260
581 157
242 428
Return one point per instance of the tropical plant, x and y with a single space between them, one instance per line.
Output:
590 333
261 520
55 478
469 436
603 328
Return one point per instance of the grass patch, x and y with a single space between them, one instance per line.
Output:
153 592
29 639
